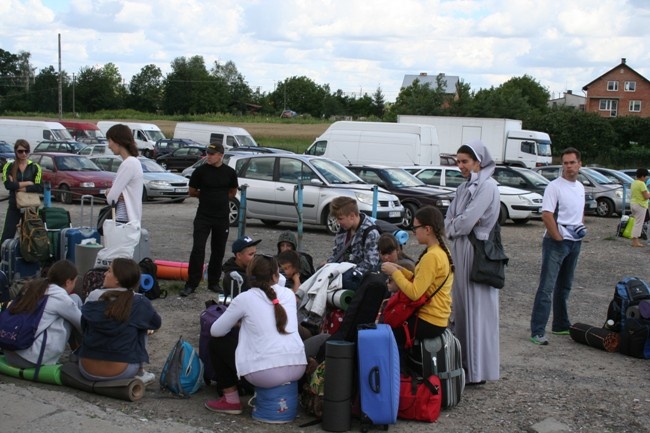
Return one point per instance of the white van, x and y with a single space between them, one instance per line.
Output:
34 131
384 143
145 134
205 133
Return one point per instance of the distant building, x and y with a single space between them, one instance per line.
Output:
449 82
568 100
621 91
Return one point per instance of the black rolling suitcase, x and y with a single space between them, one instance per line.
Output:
379 380
442 357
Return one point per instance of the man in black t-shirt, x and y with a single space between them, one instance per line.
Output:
213 183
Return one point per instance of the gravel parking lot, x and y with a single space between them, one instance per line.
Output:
581 388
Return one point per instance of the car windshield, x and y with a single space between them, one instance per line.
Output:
334 172
534 177
245 141
544 148
6 148
61 134
154 135
401 178
75 163
617 176
151 166
95 133
597 177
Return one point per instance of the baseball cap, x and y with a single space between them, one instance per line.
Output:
244 242
215 148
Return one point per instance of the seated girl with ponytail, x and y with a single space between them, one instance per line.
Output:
433 274
115 327
61 315
269 351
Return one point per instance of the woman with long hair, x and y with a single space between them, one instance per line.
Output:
433 277
115 327
126 192
60 316
269 350
21 174
476 306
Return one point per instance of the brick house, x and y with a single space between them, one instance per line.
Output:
621 91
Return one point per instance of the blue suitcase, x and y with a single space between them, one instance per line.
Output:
379 380
75 235
13 265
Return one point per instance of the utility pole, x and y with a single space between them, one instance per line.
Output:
74 111
60 83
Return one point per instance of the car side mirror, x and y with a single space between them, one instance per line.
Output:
316 182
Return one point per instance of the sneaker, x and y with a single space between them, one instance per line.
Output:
146 377
539 339
565 332
216 288
222 406
187 290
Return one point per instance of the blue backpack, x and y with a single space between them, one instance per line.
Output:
18 331
182 373
631 316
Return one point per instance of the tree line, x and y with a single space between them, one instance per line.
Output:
194 88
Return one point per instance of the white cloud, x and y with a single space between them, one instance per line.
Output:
351 45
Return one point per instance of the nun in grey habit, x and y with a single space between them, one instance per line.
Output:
475 307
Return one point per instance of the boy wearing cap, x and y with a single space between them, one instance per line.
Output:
213 183
244 250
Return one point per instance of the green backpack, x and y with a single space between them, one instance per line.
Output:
34 242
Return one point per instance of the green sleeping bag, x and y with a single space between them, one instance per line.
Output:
47 373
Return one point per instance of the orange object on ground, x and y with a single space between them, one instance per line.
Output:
172 270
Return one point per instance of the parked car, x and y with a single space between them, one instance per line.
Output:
6 153
72 176
616 176
271 194
181 158
632 173
229 153
65 146
608 194
158 182
168 145
411 191
524 178
517 204
96 149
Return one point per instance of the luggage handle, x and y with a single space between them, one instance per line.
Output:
81 210
373 380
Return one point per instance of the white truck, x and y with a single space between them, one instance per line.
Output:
384 143
34 131
145 134
506 141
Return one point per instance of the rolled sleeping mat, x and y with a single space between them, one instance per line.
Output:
146 282
595 336
46 374
123 389
340 298
171 270
337 407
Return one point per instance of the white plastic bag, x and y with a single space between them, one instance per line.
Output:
120 240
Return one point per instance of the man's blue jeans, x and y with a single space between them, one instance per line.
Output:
559 260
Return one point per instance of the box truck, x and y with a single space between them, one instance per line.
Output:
384 143
34 131
506 141
206 133
145 134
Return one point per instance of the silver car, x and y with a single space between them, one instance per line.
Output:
608 194
271 193
158 183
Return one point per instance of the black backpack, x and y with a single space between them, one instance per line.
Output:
148 267
625 312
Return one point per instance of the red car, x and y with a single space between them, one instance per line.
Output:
72 176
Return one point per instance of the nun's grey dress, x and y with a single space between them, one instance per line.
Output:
475 307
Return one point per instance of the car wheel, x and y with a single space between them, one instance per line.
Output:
146 153
270 223
521 221
233 212
605 207
503 214
65 196
331 225
409 214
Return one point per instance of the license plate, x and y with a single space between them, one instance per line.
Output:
102 191
395 214
180 190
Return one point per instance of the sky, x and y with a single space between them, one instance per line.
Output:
355 46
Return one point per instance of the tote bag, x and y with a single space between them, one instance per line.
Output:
120 240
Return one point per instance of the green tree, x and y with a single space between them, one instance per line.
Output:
99 88
238 91
378 103
499 103
16 75
461 104
300 94
44 93
419 99
190 89
146 89
536 96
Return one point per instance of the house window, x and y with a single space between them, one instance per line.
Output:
635 106
630 86
612 86
610 105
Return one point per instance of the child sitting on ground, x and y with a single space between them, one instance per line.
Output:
243 249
